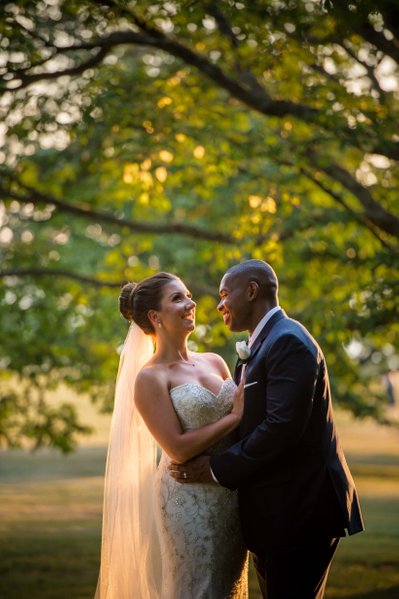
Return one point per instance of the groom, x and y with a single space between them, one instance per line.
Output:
296 493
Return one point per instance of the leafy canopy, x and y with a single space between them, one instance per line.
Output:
187 136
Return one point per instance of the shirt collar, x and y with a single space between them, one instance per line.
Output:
261 324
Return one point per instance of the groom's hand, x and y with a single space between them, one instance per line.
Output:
196 470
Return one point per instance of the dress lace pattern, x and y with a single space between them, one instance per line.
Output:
203 554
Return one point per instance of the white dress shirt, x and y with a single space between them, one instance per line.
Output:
261 324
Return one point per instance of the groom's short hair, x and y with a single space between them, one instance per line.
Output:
258 271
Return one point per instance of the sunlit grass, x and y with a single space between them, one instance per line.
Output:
50 520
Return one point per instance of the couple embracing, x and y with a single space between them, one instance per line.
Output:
252 463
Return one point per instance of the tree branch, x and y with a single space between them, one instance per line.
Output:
31 33
222 23
377 39
369 70
58 272
198 290
361 219
253 96
258 100
375 213
27 79
35 197
226 30
358 21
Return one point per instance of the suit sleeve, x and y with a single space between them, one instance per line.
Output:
292 372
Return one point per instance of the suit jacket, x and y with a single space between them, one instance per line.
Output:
292 477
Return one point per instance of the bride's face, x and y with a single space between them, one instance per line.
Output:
177 311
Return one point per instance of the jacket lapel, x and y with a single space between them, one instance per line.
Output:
259 340
265 331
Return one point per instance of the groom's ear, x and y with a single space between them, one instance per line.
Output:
253 290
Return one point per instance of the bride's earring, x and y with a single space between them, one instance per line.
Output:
159 324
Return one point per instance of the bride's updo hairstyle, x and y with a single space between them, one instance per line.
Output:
136 299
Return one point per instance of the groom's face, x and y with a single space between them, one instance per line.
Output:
234 305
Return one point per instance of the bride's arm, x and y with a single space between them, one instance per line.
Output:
154 404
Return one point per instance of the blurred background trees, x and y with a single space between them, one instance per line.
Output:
186 136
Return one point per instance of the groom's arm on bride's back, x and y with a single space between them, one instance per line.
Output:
287 397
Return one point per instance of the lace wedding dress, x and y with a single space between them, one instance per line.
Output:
203 554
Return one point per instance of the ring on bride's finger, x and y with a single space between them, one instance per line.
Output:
184 474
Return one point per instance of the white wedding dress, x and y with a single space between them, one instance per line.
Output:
203 554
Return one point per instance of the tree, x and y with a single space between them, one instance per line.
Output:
187 136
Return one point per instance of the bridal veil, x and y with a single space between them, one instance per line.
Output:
130 555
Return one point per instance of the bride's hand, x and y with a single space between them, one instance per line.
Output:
238 400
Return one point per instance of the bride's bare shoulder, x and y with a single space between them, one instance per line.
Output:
152 374
217 362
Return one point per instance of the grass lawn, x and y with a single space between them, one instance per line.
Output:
50 518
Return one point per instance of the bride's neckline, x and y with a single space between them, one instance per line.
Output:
202 387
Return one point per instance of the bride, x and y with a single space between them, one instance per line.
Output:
162 539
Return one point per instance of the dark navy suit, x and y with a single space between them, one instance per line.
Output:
295 488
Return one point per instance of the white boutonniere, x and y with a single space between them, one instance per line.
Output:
243 351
